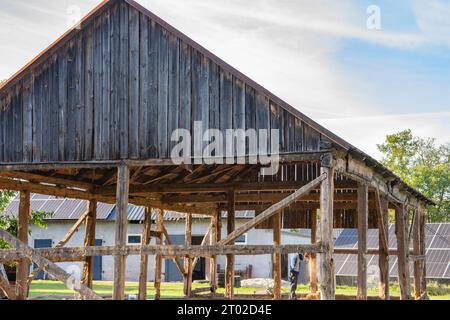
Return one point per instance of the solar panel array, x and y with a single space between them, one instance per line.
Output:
437 242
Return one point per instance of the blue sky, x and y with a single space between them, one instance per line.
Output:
317 55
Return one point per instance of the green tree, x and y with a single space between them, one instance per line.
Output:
424 165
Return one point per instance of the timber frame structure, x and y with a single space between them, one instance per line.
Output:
91 118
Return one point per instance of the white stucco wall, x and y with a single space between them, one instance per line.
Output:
262 264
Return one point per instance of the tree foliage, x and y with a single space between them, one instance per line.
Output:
424 165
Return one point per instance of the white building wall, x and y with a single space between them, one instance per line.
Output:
261 264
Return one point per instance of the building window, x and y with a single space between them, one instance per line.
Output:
242 239
134 239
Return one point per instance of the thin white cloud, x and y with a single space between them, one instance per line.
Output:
366 132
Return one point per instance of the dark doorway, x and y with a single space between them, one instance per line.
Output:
172 274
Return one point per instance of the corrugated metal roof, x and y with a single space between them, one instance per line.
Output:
71 209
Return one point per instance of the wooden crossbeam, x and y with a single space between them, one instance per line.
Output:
80 253
169 242
273 210
74 229
49 267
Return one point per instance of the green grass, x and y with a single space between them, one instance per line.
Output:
175 290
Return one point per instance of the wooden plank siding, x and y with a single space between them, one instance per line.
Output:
117 88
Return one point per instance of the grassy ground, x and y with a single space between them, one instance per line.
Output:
175 290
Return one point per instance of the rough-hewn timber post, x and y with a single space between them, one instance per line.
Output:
123 179
423 282
188 260
402 251
23 267
416 250
229 267
363 213
146 237
277 257
313 256
383 257
158 257
212 241
326 230
89 241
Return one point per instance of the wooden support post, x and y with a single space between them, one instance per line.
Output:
213 238
402 251
382 205
123 178
327 290
277 257
146 238
423 281
313 256
418 264
89 241
229 266
363 213
158 257
23 267
188 259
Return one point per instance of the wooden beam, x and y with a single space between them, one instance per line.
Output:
89 241
79 253
169 242
277 257
382 206
5 286
72 230
23 267
403 266
423 280
158 257
49 267
205 240
123 179
229 264
146 237
326 230
188 260
273 209
417 251
363 213
313 256
213 240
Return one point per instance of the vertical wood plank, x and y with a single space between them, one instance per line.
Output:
187 288
27 120
89 93
89 241
423 280
123 185
230 260
146 237
326 231
134 83
158 258
416 251
363 211
185 86
163 94
402 251
383 234
23 266
174 89
144 74
124 81
214 236
117 82
313 256
152 125
277 257
106 87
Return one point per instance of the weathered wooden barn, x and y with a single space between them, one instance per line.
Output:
91 118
